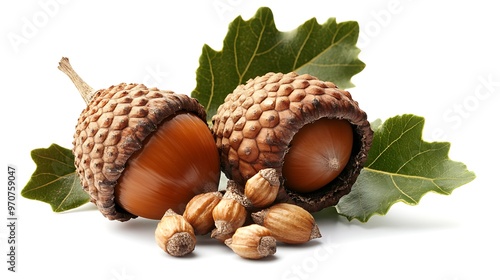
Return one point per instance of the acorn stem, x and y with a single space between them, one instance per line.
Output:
85 90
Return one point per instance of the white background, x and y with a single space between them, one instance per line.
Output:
437 60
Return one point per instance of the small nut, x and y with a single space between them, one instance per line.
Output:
288 223
229 214
262 188
175 235
252 242
199 209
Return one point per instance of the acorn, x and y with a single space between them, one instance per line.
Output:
199 209
175 235
228 215
313 133
252 242
140 151
288 223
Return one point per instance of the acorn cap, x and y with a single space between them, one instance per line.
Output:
113 127
255 125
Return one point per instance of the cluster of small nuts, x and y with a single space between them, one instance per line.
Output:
249 223
136 150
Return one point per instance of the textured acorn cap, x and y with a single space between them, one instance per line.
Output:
113 127
253 129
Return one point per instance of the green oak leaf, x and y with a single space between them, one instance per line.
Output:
254 47
401 167
54 180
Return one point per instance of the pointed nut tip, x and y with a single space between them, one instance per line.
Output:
315 233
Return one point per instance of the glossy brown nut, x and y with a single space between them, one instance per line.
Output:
318 154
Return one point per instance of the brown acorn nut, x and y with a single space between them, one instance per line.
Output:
175 235
252 242
229 214
260 126
327 144
140 151
199 209
288 223
262 188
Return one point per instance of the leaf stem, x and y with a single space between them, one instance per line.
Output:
85 90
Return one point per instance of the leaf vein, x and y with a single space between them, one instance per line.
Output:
334 65
389 145
333 43
212 82
401 191
58 178
413 157
259 36
54 160
67 195
302 46
407 176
